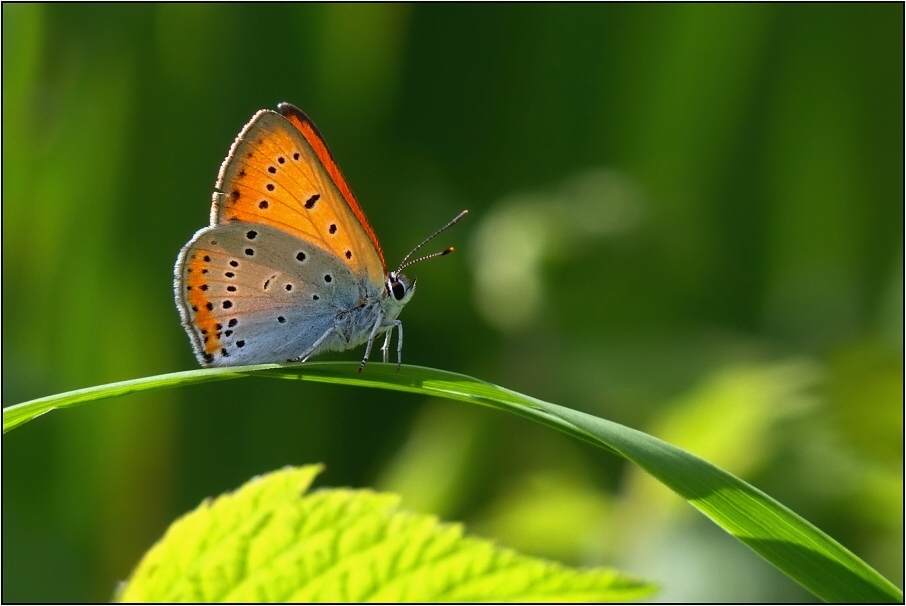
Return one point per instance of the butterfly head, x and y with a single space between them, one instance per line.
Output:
399 288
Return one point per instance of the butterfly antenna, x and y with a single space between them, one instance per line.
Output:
447 251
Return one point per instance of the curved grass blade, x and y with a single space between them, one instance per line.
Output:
784 539
18 414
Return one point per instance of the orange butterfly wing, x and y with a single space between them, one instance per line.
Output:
279 172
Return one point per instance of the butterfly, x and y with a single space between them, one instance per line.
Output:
289 266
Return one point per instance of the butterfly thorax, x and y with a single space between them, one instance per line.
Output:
375 308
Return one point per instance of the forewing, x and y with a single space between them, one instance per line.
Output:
280 173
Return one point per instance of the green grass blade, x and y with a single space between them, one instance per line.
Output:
789 542
777 534
16 415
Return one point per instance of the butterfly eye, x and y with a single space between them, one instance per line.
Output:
399 291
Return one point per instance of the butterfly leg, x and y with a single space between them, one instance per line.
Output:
399 343
374 330
305 355
385 348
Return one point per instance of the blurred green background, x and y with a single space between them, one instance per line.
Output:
685 218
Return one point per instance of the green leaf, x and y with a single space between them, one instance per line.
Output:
269 542
790 543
